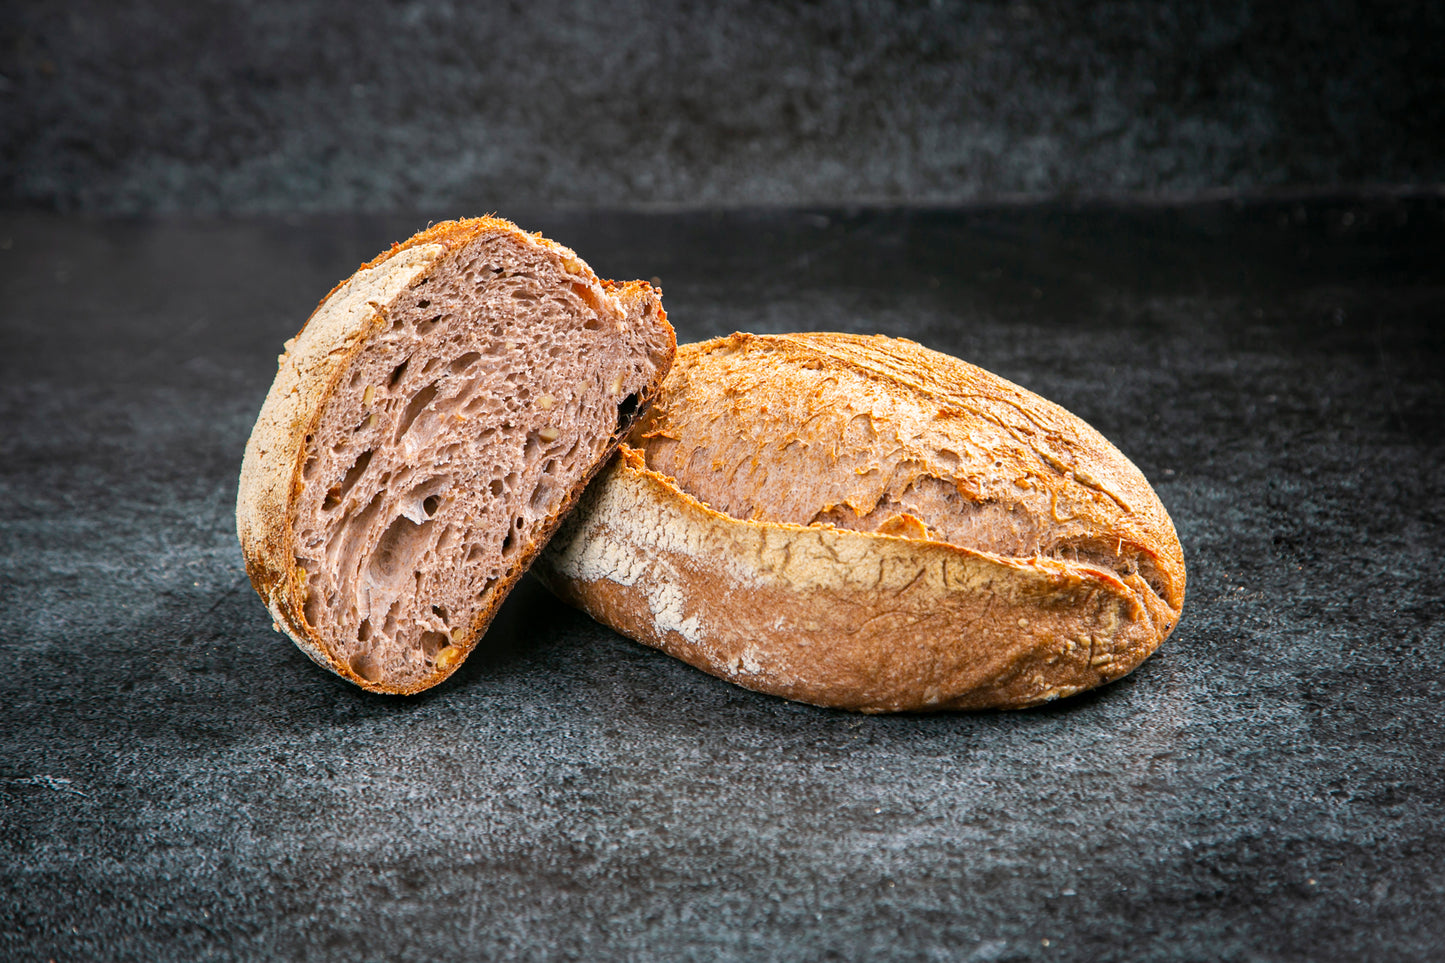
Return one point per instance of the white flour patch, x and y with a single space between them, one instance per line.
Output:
666 600
594 554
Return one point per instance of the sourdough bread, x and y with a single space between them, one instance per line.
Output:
427 430
864 523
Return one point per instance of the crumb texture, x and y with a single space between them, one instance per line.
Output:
464 421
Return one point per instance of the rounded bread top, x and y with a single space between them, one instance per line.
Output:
882 434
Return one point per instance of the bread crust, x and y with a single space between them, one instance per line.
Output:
869 621
308 375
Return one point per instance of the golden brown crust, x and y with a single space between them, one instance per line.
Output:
307 376
875 621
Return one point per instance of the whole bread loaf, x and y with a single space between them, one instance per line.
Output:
864 523
427 430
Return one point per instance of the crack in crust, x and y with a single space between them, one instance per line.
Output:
877 527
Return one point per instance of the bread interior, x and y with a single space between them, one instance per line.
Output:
491 391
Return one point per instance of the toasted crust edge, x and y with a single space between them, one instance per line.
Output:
307 376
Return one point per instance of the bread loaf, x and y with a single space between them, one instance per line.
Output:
427 430
864 523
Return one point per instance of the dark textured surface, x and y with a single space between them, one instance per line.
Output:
179 782
375 105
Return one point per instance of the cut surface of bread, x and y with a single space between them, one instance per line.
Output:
864 523
427 429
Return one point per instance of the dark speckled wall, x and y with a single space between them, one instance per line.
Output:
172 105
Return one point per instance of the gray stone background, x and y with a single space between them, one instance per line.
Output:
235 106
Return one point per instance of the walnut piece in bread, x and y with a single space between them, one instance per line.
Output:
861 522
427 430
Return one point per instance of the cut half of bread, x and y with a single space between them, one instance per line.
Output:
861 522
427 430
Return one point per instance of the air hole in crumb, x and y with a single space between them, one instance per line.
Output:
487 587
475 552
433 642
627 409
365 666
425 327
439 611
589 298
424 303
311 608
363 631
464 362
340 490
509 544
497 488
397 547
430 504
415 406
396 373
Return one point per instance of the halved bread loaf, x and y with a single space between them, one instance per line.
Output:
864 523
428 428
